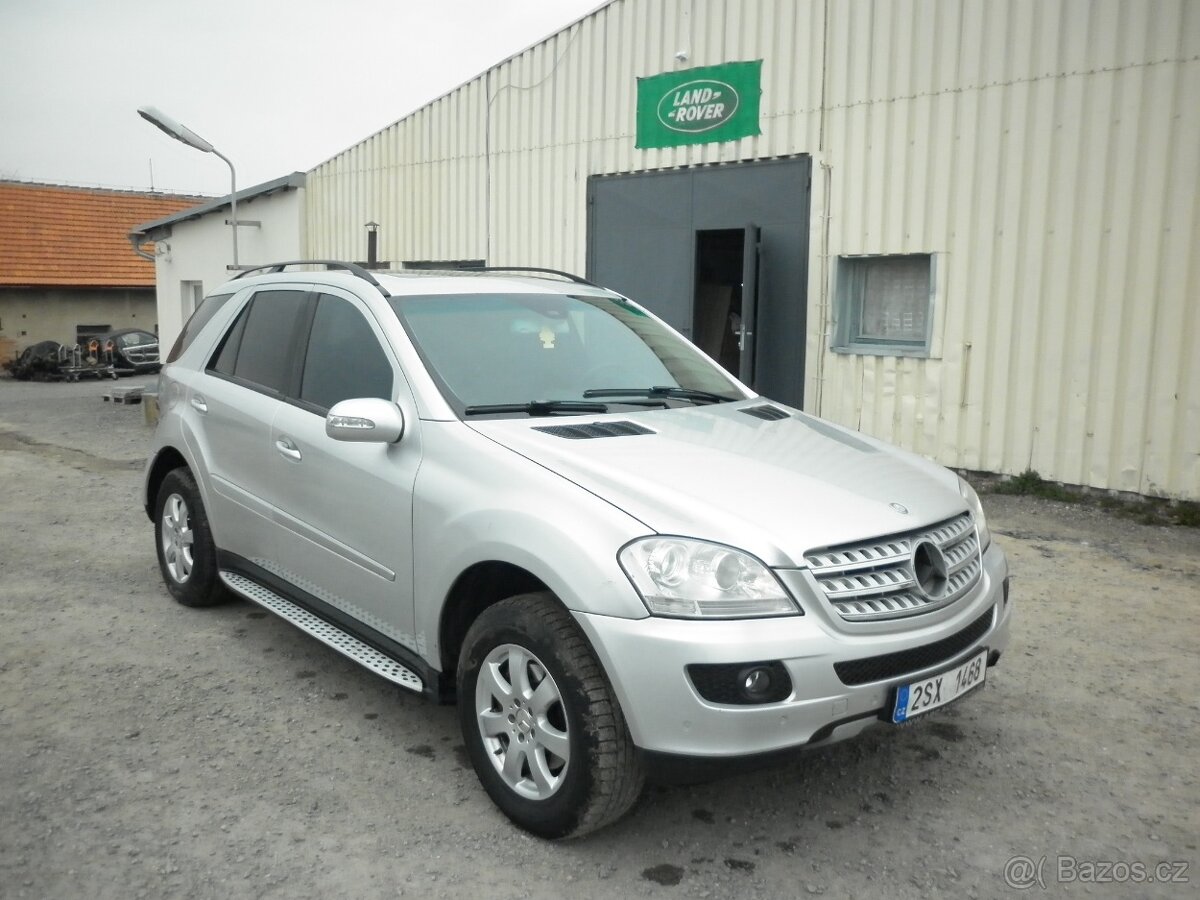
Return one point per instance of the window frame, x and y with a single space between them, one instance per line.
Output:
293 397
848 297
204 313
236 330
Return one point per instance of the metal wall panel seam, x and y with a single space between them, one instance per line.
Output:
1111 309
1153 240
1185 444
1175 372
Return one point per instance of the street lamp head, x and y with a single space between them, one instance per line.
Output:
169 126
185 135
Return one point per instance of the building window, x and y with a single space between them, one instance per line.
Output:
884 304
191 296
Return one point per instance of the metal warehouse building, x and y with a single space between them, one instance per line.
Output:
965 226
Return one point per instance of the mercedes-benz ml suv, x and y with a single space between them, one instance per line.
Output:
530 495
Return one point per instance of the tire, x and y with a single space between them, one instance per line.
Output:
187 556
572 766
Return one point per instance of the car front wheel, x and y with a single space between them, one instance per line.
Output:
541 723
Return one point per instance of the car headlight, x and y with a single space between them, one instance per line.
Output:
697 580
972 498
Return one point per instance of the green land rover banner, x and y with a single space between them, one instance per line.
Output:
697 106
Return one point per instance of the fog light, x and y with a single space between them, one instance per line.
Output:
756 682
741 684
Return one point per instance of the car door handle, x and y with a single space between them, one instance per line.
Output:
199 403
288 449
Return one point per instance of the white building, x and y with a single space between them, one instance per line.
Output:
193 251
967 227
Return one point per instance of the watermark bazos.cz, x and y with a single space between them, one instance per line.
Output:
1024 872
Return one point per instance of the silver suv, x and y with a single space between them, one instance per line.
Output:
528 494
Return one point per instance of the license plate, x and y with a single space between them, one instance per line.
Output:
928 694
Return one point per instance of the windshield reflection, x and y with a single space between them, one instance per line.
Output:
514 349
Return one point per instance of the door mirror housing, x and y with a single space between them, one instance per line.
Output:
365 420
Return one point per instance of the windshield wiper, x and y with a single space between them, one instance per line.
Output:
674 393
538 408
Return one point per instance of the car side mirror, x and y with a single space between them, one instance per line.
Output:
365 420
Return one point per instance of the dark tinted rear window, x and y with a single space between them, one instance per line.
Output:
204 312
258 348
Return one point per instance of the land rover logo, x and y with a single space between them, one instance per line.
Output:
930 569
698 106
708 104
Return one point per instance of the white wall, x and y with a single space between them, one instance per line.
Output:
1047 151
201 249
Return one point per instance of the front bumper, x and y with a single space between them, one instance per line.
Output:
646 662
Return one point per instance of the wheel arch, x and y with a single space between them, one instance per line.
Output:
167 460
480 586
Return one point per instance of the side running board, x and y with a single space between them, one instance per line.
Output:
343 643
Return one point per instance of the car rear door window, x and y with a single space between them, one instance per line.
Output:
258 349
344 358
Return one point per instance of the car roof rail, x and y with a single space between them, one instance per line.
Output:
276 268
533 270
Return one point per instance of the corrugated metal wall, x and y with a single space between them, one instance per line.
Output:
498 168
1047 152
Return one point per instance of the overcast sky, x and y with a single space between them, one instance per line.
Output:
276 86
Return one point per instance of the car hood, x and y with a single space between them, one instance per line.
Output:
776 488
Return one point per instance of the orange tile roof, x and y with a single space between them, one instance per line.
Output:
56 235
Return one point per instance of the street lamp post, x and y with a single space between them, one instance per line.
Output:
185 135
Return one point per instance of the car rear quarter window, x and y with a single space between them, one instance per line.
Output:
258 348
201 317
344 358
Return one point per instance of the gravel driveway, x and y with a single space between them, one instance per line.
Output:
148 750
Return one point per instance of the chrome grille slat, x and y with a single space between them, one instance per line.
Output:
859 586
874 579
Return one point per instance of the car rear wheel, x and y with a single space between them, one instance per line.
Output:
541 723
187 556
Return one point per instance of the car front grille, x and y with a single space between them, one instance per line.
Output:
877 579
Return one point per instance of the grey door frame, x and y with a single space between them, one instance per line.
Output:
751 248
655 247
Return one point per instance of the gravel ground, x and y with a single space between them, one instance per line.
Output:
148 750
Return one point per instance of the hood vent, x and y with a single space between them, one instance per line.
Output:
771 413
594 430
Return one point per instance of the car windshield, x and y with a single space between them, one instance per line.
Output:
509 350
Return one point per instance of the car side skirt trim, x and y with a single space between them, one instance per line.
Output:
364 645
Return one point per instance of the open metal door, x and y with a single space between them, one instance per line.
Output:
750 256
644 234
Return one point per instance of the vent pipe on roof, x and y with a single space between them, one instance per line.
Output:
372 245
